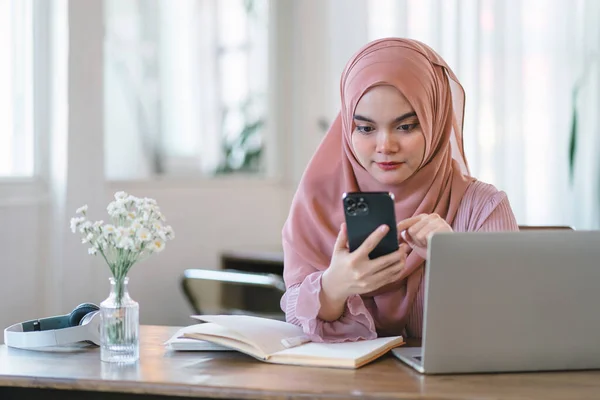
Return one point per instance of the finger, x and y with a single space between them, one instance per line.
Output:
407 238
386 275
422 236
341 242
405 249
394 272
383 262
429 230
417 227
407 223
373 240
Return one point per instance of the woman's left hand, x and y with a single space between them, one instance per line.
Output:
416 231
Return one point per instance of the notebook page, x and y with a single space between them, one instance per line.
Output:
225 337
265 334
178 342
185 344
345 353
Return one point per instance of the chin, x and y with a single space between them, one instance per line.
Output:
390 179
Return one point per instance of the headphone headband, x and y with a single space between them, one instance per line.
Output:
53 331
46 324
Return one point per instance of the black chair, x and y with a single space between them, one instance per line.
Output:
233 292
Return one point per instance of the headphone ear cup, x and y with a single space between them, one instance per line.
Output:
81 311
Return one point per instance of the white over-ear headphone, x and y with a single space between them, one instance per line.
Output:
82 324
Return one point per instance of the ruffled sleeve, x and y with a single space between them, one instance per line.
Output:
301 304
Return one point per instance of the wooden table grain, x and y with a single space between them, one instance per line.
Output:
234 375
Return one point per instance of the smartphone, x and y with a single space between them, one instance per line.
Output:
365 212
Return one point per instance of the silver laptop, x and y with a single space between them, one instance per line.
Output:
510 301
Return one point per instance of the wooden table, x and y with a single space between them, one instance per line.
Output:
160 373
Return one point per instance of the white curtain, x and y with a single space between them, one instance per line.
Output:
518 61
586 179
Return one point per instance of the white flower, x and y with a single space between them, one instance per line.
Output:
160 215
156 246
131 200
125 243
116 209
150 201
88 238
136 230
169 233
144 235
102 243
82 210
146 216
123 231
86 225
136 225
76 223
108 229
121 196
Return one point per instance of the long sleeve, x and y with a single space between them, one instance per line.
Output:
301 304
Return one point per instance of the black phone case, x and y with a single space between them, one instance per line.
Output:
365 212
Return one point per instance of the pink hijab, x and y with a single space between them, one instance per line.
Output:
438 185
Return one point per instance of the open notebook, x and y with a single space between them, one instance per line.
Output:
178 342
280 342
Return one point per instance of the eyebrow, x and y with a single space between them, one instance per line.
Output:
399 119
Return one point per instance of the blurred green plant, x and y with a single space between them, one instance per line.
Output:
574 131
242 154
573 134
243 151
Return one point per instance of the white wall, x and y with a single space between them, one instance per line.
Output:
20 286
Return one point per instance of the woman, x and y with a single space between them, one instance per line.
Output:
400 131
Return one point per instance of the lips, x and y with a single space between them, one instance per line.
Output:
388 166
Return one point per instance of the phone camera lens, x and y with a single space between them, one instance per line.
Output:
362 207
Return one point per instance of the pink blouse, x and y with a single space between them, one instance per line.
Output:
483 208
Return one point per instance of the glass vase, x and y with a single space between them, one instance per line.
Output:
119 326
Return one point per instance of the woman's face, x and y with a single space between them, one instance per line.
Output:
387 136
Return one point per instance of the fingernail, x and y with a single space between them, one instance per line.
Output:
403 234
383 228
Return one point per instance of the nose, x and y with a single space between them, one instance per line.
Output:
386 143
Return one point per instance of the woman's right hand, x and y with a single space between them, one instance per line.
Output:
354 273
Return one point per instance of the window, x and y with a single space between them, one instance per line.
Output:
185 87
16 89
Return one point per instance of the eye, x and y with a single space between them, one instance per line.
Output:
364 129
407 127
